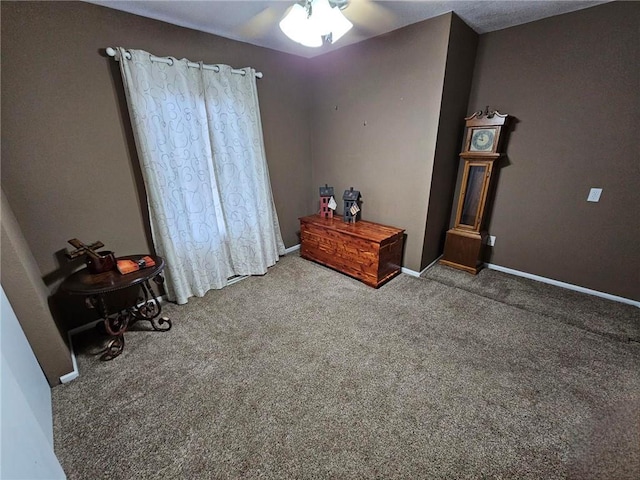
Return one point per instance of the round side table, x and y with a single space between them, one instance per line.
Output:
95 286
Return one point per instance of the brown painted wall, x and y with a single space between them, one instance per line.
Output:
572 83
69 167
374 122
463 42
29 299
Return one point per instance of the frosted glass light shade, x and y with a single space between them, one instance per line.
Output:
298 28
321 17
339 24
309 30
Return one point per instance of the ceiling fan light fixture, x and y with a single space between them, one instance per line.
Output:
296 25
310 23
340 24
321 17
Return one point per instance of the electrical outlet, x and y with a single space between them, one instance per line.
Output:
491 240
594 195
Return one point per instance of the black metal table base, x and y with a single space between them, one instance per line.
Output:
114 348
148 309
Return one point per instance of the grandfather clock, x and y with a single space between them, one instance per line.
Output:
465 241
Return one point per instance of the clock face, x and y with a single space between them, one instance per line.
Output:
482 140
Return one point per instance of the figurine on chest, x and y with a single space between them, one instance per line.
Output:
326 204
351 199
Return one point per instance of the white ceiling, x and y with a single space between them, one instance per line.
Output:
256 22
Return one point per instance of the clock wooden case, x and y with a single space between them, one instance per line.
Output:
483 141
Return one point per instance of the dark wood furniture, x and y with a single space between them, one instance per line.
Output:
464 243
364 250
96 287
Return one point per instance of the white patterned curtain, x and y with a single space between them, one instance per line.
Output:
200 145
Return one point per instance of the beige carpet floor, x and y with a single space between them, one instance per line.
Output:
306 373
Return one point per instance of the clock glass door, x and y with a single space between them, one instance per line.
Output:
472 195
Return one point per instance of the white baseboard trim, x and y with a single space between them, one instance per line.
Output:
71 375
413 273
518 273
75 373
292 249
410 272
237 279
557 283
88 326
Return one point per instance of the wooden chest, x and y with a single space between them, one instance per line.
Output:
364 250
